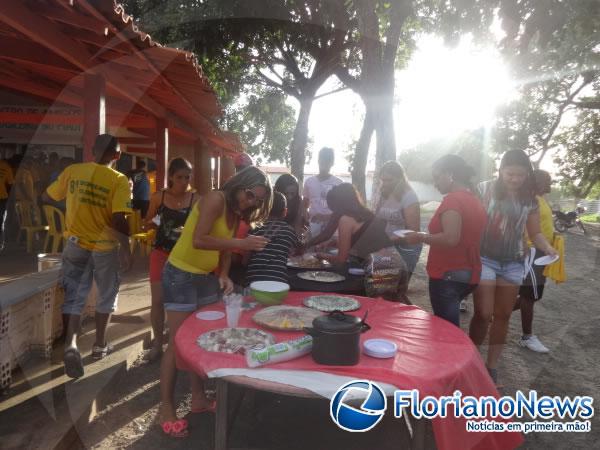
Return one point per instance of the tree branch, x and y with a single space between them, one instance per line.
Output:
344 76
561 110
400 11
285 88
592 104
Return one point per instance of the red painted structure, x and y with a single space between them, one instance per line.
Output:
89 54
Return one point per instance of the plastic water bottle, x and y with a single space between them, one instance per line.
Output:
282 351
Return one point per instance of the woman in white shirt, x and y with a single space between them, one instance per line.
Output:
399 206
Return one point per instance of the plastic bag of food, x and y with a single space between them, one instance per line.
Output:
282 351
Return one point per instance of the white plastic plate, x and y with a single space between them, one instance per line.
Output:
402 233
545 260
210 315
380 348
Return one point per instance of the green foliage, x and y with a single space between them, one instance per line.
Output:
591 218
264 122
555 52
594 192
580 160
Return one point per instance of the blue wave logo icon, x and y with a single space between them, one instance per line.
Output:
372 405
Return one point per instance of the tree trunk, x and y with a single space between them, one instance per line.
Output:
300 139
359 162
386 139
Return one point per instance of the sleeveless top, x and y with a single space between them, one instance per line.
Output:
167 233
198 260
370 237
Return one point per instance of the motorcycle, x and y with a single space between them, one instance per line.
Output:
564 221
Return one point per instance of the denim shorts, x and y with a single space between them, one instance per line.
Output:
185 291
79 267
513 271
411 255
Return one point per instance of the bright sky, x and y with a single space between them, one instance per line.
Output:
441 93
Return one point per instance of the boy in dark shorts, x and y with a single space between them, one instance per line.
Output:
270 264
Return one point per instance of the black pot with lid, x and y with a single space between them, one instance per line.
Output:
336 338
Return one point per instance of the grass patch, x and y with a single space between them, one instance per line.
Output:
593 218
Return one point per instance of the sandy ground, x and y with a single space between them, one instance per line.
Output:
566 321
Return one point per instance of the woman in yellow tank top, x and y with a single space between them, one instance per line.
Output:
204 246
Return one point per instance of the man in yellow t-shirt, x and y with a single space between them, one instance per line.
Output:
532 288
98 198
6 181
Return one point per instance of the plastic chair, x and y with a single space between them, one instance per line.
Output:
56 228
139 238
30 222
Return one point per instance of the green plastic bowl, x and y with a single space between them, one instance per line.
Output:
269 292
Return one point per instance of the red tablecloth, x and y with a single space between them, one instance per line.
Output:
433 356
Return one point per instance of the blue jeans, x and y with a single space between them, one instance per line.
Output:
446 294
185 291
79 268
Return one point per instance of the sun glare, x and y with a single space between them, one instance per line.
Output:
446 91
442 93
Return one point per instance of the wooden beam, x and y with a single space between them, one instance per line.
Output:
158 71
21 50
54 119
105 44
132 121
40 90
150 151
70 16
136 140
47 33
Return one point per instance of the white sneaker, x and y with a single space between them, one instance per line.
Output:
463 306
534 344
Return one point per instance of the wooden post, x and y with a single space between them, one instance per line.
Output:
217 171
202 169
227 169
162 153
94 112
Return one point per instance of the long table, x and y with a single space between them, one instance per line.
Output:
434 357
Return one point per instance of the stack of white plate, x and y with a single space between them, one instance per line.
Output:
379 348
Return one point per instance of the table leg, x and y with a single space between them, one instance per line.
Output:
421 432
418 435
221 422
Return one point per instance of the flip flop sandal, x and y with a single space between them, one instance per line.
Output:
73 364
176 428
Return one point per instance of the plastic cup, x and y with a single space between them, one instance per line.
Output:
233 309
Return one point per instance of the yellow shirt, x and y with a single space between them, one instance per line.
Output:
94 193
195 260
6 178
546 222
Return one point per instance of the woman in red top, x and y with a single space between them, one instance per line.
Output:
455 230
